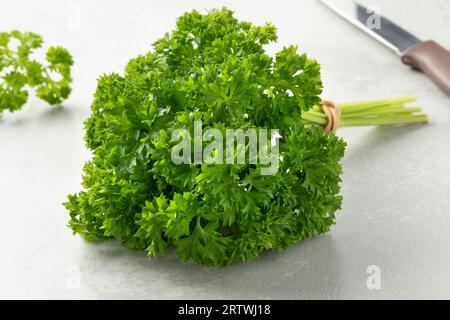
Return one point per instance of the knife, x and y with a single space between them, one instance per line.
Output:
426 56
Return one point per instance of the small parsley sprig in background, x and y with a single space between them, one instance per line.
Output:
19 72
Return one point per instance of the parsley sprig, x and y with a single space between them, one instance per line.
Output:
371 113
212 68
19 72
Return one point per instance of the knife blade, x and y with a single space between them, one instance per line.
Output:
426 56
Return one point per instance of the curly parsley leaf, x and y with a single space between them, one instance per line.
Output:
19 72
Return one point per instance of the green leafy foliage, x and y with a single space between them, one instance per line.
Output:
211 68
19 72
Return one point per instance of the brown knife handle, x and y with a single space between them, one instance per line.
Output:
433 60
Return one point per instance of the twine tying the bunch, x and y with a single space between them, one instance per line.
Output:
333 114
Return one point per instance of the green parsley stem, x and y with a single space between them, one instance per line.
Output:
371 113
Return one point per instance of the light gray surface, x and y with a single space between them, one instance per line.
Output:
396 212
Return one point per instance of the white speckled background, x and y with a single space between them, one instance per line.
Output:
396 212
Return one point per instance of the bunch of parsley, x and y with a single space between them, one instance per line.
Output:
211 68
19 73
